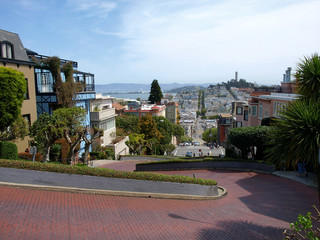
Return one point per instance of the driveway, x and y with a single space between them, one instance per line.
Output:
258 206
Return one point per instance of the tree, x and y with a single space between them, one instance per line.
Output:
128 122
13 89
136 143
297 133
72 120
18 129
155 92
45 131
246 138
308 77
89 136
148 127
210 135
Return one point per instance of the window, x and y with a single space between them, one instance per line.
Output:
27 118
107 125
278 107
260 110
266 113
27 93
239 124
253 111
246 115
239 110
6 50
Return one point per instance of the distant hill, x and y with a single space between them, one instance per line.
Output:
135 87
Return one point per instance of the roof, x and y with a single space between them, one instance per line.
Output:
225 115
19 51
118 106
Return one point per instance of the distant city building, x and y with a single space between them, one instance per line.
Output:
136 109
172 112
13 55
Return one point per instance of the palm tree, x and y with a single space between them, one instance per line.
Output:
308 77
297 133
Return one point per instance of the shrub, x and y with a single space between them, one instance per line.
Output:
29 156
55 152
8 150
304 228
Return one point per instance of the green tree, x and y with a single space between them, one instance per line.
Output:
297 133
136 143
246 138
186 138
45 131
18 129
128 122
72 120
153 136
210 135
89 137
308 77
155 92
13 89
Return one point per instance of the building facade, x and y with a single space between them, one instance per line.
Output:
224 124
240 113
13 55
102 116
172 112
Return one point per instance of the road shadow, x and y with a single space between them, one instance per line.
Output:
277 197
240 230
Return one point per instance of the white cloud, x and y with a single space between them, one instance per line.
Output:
93 8
211 41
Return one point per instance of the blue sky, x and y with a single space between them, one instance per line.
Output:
183 41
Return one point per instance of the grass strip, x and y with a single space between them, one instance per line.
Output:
102 172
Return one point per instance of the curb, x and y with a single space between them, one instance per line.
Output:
222 192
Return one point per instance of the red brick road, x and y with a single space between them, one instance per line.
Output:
258 206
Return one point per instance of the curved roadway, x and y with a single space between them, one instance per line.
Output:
258 206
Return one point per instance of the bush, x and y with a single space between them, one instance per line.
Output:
55 152
29 156
102 172
8 150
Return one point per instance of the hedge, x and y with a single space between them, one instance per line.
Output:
8 150
102 172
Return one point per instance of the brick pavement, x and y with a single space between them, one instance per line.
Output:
258 206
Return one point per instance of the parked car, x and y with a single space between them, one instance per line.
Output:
189 154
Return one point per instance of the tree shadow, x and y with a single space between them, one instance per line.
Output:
277 197
240 230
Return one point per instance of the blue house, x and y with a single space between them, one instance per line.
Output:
46 96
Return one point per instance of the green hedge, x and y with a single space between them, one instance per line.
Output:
8 150
102 172
206 159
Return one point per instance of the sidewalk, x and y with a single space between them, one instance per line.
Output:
310 181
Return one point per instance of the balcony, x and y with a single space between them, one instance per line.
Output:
103 114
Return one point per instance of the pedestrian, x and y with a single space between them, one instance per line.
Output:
302 167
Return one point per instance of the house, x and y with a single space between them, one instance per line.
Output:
136 109
119 108
268 105
224 124
240 113
46 94
13 55
102 116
